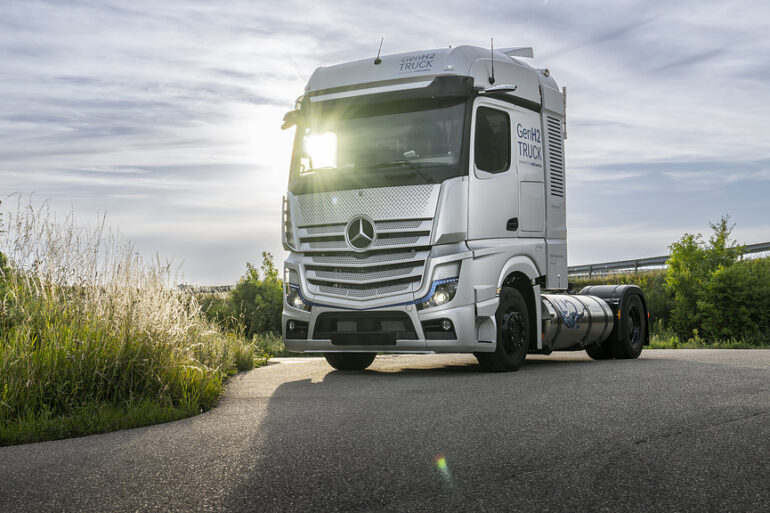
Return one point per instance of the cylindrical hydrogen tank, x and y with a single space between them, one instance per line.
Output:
574 322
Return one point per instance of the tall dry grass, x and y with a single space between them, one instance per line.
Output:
84 320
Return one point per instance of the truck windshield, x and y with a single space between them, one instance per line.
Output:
380 141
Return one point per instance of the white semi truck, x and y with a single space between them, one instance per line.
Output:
425 213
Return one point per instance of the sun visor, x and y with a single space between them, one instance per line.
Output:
443 86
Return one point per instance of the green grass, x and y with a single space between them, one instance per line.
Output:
94 339
272 345
88 419
662 337
692 344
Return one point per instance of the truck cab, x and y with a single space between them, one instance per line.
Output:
425 212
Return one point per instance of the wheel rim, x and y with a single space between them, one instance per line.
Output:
634 326
514 331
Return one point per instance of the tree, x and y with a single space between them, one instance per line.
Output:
690 267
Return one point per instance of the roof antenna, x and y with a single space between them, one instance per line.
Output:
377 60
492 55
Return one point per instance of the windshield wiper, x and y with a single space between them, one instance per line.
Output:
317 169
414 167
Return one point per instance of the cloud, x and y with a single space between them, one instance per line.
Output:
166 115
712 179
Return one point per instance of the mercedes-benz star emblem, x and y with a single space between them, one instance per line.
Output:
360 233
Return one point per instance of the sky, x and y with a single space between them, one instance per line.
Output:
166 115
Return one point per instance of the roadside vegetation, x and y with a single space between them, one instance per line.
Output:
252 308
94 339
708 297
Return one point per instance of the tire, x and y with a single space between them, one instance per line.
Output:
350 361
513 334
599 351
633 329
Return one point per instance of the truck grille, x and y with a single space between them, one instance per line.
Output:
393 265
405 201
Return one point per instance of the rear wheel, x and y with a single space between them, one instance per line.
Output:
513 334
633 329
350 361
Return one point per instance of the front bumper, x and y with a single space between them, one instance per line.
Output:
472 316
463 319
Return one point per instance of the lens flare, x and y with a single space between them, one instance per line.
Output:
322 149
443 469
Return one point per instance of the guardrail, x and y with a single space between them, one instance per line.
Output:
205 289
650 263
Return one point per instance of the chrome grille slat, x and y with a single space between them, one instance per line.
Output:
391 234
365 293
335 229
396 241
371 278
379 244
324 244
399 225
405 257
383 228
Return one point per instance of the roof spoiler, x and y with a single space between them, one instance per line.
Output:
519 51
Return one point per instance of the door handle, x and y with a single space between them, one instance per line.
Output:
512 225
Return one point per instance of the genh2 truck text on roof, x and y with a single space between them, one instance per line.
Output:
426 213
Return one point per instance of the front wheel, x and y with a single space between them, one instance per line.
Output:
350 361
513 334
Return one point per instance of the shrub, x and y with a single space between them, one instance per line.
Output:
253 307
690 267
735 302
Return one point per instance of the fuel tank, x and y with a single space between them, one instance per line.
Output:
572 322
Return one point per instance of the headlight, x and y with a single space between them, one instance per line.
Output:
441 293
294 298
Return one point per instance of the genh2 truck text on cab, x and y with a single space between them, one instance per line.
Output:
425 213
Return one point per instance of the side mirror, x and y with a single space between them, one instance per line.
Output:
290 119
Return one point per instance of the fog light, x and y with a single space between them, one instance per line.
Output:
296 330
439 329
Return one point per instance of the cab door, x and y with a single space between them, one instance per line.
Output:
493 196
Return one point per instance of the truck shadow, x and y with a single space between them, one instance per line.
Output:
533 363
370 440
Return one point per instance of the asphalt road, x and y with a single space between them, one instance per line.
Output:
685 430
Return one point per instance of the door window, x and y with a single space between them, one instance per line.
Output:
492 147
